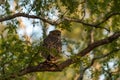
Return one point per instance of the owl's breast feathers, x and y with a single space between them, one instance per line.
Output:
53 43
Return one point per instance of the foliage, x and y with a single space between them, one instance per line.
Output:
82 22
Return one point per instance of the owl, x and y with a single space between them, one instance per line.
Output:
52 46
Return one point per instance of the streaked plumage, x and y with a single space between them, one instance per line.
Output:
52 45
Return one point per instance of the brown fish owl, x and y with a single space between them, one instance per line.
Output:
52 45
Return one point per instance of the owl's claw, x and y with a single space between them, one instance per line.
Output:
51 63
51 59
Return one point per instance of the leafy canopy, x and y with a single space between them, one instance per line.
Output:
25 23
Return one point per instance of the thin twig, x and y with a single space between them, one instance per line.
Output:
93 60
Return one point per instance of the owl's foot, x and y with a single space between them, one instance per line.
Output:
51 59
51 63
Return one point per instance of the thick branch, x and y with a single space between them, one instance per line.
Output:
90 48
59 67
44 66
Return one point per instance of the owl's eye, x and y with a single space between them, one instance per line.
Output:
58 34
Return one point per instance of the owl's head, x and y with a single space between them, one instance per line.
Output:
55 33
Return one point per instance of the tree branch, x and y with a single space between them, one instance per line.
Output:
92 62
90 48
107 17
96 25
27 16
59 67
